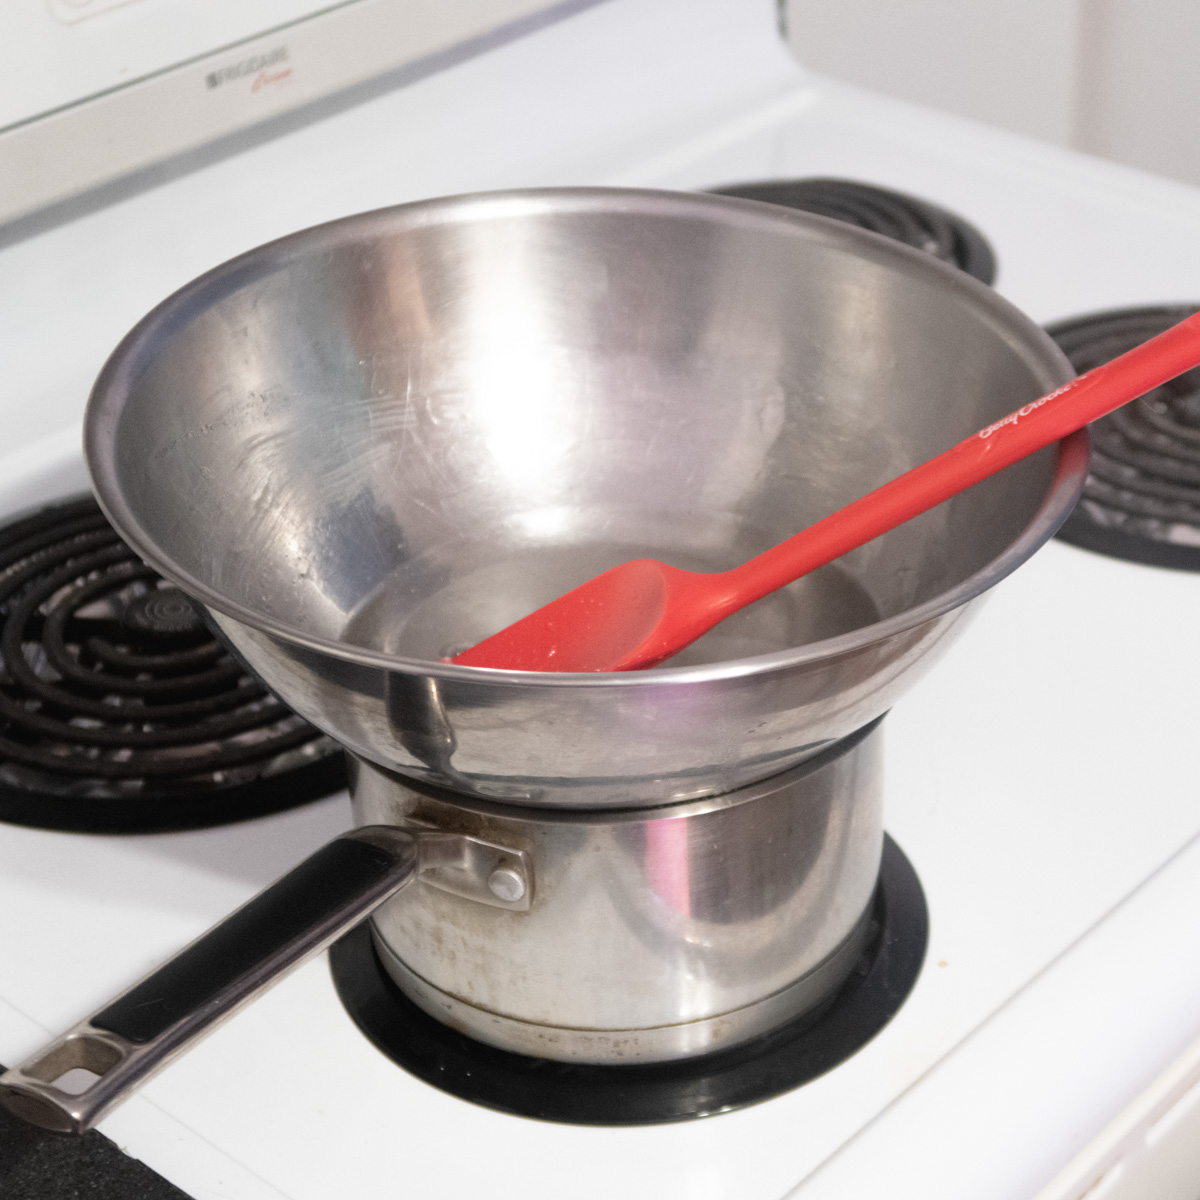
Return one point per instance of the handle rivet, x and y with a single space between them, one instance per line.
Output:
506 884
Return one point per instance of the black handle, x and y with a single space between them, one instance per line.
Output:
176 1004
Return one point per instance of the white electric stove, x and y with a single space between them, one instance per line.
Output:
1042 779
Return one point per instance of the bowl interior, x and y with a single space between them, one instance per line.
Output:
402 431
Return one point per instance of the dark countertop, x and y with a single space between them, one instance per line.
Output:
37 1165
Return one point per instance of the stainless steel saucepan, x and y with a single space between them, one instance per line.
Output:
373 442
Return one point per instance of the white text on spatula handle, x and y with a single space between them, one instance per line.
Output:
1026 409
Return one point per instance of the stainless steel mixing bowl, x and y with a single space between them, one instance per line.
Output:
375 441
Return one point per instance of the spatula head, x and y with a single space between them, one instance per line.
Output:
630 617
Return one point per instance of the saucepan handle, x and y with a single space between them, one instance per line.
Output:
73 1082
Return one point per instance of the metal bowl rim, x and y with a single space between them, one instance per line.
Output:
137 349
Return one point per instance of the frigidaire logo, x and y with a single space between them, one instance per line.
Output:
248 66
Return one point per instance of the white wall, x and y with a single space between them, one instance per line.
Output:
1120 78
1139 95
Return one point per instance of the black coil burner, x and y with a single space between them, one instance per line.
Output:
1141 501
650 1094
906 219
119 710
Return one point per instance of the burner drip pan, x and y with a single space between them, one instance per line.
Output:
648 1094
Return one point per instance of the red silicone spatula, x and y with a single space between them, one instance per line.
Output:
642 612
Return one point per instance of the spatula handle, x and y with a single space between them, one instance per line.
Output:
1032 427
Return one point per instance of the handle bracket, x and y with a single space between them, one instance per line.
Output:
472 868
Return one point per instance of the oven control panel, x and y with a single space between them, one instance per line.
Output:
94 89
